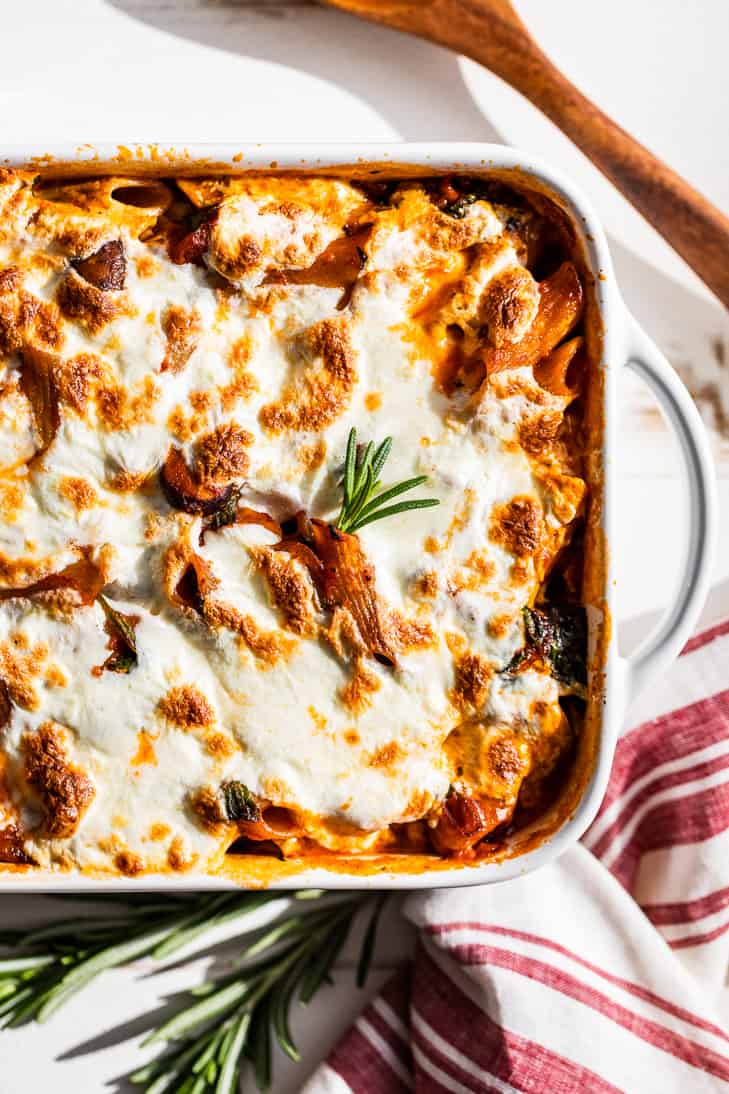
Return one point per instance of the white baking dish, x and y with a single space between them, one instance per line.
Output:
615 680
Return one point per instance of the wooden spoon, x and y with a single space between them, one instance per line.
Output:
490 32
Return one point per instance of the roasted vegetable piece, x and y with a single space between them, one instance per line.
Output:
347 580
84 577
465 821
560 308
337 267
184 491
451 199
38 383
106 269
561 371
343 575
192 246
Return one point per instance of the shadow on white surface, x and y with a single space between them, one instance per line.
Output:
692 331
418 88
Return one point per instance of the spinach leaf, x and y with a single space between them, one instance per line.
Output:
239 802
557 634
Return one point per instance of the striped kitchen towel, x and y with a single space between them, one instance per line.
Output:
604 972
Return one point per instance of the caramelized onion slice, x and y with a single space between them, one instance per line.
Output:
465 821
194 584
83 577
244 515
561 302
106 269
184 491
38 383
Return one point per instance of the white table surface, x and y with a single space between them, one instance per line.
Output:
196 70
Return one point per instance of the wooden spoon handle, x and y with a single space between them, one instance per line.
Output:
490 32
691 224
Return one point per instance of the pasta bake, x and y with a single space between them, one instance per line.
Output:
293 493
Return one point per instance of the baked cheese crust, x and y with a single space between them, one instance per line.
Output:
181 363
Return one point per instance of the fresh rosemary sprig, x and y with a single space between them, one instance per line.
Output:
234 1017
361 503
230 1019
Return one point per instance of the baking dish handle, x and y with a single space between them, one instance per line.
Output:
665 642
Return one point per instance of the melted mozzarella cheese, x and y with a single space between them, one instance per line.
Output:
293 739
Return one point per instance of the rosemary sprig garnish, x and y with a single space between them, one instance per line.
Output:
362 504
224 1021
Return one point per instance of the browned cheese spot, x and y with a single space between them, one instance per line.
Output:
473 674
76 378
477 570
24 319
128 863
538 433
386 756
79 492
518 526
128 482
186 707
221 455
238 257
207 807
179 858
505 761
158 832
65 792
426 585
500 625
119 408
318 397
356 695
220 745
182 329
92 308
409 634
243 383
291 591
267 646
20 668
510 305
